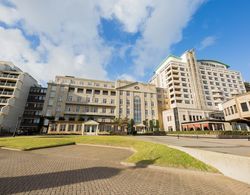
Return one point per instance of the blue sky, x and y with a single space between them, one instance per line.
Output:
121 39
229 22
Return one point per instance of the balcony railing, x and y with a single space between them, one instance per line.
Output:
8 84
3 101
6 93
9 76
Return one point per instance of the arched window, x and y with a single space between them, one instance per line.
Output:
137 109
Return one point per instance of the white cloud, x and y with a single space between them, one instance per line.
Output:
207 41
127 77
69 40
9 15
162 30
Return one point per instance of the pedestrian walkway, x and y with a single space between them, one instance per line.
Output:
97 170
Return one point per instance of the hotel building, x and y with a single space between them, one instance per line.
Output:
237 111
247 86
196 90
14 89
94 104
32 120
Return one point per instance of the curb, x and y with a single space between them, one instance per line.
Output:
133 165
37 148
107 146
233 166
13 149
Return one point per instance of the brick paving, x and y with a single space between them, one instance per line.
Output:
96 170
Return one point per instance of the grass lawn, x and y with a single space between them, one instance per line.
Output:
147 152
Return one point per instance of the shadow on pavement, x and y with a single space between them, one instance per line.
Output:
145 163
10 185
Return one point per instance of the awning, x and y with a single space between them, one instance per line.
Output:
139 125
91 122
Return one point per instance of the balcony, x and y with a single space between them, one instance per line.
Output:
90 103
3 101
89 113
6 93
9 76
7 84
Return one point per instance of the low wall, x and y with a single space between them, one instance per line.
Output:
211 136
236 167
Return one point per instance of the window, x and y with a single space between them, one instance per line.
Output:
146 112
112 111
113 93
104 101
62 127
52 94
79 127
121 101
103 110
70 99
232 110
112 101
128 102
79 99
53 88
184 117
128 94
105 92
244 107
153 112
137 109
79 90
71 127
186 96
53 127
71 89
97 92
89 91
77 108
96 100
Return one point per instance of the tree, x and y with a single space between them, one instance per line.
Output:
151 125
145 122
131 127
157 125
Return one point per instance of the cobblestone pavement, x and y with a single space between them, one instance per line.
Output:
97 170
229 146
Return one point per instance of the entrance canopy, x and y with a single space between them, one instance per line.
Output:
91 122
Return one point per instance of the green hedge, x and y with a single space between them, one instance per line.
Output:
209 132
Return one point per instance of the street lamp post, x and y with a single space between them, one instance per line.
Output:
17 125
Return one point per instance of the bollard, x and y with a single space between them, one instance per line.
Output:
178 136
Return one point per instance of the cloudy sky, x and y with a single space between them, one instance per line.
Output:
120 39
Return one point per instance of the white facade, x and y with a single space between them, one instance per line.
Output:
14 90
196 86
102 101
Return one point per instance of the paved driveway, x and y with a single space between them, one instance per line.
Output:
97 170
231 146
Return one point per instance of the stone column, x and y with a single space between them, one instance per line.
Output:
82 128
212 126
